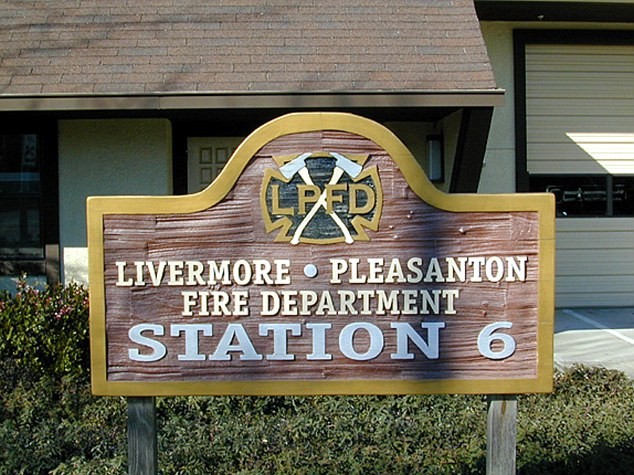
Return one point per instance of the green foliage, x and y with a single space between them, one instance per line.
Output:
45 422
323 435
50 423
45 330
584 427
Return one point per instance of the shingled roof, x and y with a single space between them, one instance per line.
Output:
89 47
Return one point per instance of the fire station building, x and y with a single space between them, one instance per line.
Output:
491 96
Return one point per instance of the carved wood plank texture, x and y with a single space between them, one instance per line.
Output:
409 228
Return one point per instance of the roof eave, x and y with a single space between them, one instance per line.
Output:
252 100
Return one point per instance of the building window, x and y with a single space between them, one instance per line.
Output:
29 237
20 197
588 195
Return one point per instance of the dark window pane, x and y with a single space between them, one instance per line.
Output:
20 197
623 193
575 195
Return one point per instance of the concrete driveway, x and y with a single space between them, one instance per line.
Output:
595 337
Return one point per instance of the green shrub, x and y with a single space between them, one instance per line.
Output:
47 422
584 427
323 435
45 330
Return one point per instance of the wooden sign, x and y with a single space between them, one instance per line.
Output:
321 261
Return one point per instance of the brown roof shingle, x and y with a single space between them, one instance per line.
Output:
165 46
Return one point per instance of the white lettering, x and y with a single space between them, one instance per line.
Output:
395 272
280 338
175 271
240 303
450 296
366 296
346 302
375 271
346 341
494 269
282 271
136 336
243 345
454 269
139 274
450 269
434 272
387 301
476 263
218 273
338 268
270 303
242 272
406 333
326 306
308 298
431 299
289 303
409 302
189 301
191 332
516 268
415 266
262 272
353 270
235 303
156 275
355 278
319 341
195 271
121 280
487 337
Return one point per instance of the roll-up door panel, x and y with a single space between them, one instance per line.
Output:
580 121
580 109
595 262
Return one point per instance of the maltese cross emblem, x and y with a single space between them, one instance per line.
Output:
321 198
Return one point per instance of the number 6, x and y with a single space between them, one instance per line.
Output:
486 339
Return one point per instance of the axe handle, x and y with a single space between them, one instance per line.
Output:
347 237
321 201
305 176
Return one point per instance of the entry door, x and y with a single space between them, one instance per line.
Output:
206 156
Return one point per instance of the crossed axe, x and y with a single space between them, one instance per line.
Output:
342 165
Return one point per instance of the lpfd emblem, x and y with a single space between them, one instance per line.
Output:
321 198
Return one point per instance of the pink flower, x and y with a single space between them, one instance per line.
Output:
62 312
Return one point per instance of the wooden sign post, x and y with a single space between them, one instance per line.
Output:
142 436
321 261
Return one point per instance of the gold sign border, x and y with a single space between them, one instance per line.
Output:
542 203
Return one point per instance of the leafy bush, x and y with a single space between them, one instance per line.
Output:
45 422
584 427
50 423
45 330
323 435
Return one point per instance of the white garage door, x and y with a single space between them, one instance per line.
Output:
580 146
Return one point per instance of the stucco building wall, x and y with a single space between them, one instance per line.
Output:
106 157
